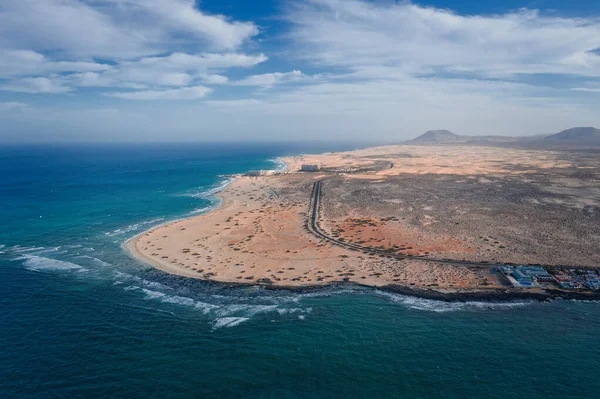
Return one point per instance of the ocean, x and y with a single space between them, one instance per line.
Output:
80 319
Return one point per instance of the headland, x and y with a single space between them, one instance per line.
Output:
436 221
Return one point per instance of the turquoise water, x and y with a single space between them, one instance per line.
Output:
78 318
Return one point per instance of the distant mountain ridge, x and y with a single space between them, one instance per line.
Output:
438 137
572 137
576 134
447 137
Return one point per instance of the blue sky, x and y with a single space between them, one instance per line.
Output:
172 70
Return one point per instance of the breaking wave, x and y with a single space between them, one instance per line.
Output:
280 166
228 322
212 191
222 313
132 227
40 263
431 305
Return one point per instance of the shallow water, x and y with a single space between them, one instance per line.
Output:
78 318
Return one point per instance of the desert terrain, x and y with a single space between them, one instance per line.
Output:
434 216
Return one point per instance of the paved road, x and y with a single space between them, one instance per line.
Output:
314 228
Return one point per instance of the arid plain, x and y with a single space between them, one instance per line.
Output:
440 213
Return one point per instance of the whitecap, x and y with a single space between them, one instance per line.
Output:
131 227
20 249
280 166
245 310
40 263
431 305
228 322
201 210
284 311
212 191
99 261
178 300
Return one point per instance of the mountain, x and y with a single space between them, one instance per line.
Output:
576 137
577 134
447 137
438 137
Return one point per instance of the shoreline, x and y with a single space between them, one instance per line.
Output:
130 244
256 236
457 296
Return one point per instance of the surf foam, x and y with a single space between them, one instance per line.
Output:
40 263
131 227
431 305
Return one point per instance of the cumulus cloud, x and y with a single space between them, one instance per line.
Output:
27 62
114 28
184 93
271 79
354 34
35 85
178 69
52 46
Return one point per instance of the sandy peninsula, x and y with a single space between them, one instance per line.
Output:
419 206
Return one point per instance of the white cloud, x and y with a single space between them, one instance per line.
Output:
355 34
51 46
27 62
177 69
215 79
36 85
11 105
115 28
185 93
271 79
243 103
587 89
183 16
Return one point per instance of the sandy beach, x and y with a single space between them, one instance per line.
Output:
258 235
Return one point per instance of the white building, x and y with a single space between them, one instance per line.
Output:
256 173
309 168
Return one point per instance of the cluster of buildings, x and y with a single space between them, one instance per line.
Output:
262 172
536 276
578 279
309 168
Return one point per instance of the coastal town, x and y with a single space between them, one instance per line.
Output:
521 276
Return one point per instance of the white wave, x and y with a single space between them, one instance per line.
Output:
431 305
178 300
46 250
228 322
139 280
212 191
245 310
40 263
99 261
284 311
316 294
20 249
280 166
132 227
584 300
206 209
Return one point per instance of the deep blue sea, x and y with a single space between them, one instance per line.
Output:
80 319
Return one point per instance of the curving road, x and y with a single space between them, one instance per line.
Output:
313 226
